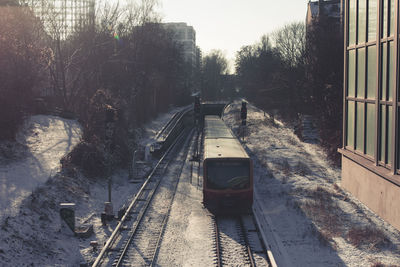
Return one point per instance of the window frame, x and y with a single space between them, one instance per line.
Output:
362 99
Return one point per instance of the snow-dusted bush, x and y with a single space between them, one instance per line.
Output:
104 144
367 236
88 158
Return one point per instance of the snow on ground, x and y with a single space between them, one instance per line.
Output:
123 190
188 239
149 132
313 221
43 140
33 236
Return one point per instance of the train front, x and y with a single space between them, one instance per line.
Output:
228 185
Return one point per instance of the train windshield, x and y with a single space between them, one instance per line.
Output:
228 174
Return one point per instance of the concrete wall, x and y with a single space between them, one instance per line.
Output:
380 195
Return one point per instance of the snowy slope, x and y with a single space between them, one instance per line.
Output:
45 140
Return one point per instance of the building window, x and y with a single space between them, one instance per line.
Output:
350 124
351 83
372 20
371 72
371 82
361 73
362 21
370 129
352 22
391 17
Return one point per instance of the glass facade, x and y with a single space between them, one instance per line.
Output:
371 87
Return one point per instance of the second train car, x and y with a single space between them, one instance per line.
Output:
227 170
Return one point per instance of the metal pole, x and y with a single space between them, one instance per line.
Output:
198 175
108 158
191 173
109 189
132 167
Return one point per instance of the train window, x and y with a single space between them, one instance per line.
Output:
228 175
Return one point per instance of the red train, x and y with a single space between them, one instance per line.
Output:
227 170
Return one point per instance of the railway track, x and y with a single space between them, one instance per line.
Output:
165 131
135 241
237 240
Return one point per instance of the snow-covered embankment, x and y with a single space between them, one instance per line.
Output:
44 141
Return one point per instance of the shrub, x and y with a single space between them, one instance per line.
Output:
367 236
88 158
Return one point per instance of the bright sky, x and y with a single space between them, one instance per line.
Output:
230 24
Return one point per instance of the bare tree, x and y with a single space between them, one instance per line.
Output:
215 65
324 72
259 69
23 58
290 42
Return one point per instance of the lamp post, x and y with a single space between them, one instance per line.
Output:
110 117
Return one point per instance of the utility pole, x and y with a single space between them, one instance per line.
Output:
110 118
243 116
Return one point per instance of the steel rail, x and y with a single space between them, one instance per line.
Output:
246 240
165 220
258 222
138 221
246 244
217 243
173 121
141 216
114 234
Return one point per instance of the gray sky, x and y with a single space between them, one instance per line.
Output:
230 24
